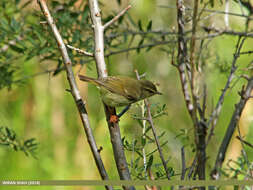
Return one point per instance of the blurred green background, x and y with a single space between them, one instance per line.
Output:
41 107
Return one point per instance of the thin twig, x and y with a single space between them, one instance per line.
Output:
144 122
121 13
126 31
246 52
183 170
245 95
216 112
80 51
207 10
75 92
226 18
244 142
150 120
228 32
192 168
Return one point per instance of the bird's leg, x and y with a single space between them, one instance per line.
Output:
115 118
124 111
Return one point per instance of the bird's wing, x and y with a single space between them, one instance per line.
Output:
119 85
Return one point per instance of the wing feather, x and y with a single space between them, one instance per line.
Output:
125 86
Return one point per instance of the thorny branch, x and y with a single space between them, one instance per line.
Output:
116 17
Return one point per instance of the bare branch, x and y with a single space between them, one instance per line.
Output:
226 18
246 52
75 92
121 13
80 51
216 112
244 142
207 10
183 164
183 170
228 32
114 129
245 95
182 57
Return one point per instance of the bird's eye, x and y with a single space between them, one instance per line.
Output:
149 90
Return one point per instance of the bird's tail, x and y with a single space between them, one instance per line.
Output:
89 79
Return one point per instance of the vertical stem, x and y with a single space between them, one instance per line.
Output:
143 136
150 120
99 38
118 150
245 95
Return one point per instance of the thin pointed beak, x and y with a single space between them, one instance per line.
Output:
159 93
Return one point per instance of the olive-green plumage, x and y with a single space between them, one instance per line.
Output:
121 90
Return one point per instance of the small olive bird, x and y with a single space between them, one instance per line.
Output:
119 91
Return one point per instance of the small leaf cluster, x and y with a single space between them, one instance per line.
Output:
9 138
144 165
25 35
238 169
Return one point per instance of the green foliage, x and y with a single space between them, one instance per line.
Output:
6 74
25 36
240 169
9 138
147 161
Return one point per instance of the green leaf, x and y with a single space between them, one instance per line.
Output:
30 142
16 48
140 43
147 129
57 70
149 27
140 25
143 141
149 48
14 25
140 123
119 2
15 147
4 24
131 20
121 19
25 4
71 3
85 13
150 161
8 132
163 133
171 171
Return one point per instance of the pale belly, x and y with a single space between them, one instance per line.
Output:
114 100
